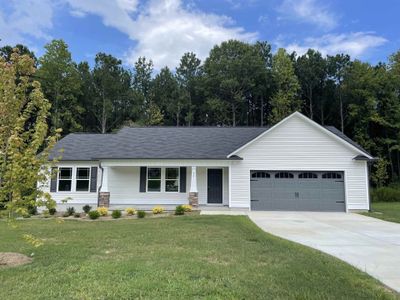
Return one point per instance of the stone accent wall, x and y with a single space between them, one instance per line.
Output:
104 199
194 199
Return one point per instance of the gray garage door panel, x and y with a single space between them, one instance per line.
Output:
324 193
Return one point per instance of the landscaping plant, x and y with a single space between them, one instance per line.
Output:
158 210
94 214
179 210
130 211
116 214
70 211
141 214
103 211
77 215
86 208
187 207
52 211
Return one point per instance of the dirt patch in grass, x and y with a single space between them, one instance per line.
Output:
13 259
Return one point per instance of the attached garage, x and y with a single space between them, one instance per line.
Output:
297 190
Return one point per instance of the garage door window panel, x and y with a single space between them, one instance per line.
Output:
284 175
332 175
308 175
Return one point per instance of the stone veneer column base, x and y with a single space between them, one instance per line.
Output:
104 199
194 199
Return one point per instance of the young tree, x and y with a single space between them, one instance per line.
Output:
23 135
61 84
285 99
141 86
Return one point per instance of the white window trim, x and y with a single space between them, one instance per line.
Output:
178 179
163 179
147 180
89 179
73 178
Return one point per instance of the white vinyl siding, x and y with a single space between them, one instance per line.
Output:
75 197
297 145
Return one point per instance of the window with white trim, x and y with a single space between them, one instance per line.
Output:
82 179
172 179
64 179
154 179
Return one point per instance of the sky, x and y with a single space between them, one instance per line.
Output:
163 30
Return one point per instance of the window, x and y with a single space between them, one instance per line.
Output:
64 179
82 179
308 175
260 174
154 179
284 175
172 179
332 175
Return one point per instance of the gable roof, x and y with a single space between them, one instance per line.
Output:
330 130
157 143
174 142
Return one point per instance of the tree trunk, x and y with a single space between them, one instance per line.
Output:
341 109
262 112
103 115
311 103
233 115
177 119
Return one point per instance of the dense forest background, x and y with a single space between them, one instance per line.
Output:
238 84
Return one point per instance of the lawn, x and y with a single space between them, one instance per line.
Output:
388 211
212 257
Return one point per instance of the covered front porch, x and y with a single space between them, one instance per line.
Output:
146 183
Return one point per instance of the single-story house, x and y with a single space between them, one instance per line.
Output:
296 165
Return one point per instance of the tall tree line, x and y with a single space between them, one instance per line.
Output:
238 84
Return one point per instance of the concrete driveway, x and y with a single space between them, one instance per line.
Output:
369 244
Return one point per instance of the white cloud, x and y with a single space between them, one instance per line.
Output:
27 19
356 44
308 11
164 30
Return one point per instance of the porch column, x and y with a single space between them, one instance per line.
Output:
193 193
104 195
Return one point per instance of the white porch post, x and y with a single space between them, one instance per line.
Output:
193 192
104 195
104 183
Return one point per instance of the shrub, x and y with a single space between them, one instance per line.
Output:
116 214
32 210
130 211
77 215
52 211
94 214
158 210
187 208
103 211
70 211
45 214
179 210
141 214
86 208
385 194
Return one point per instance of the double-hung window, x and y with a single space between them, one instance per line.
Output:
154 179
82 179
172 179
64 179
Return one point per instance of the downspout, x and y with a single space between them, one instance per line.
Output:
369 163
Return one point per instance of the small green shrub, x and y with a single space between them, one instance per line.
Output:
45 214
141 214
77 215
94 214
385 194
70 211
87 208
32 210
116 214
179 210
52 211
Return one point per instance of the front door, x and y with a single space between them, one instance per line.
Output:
214 186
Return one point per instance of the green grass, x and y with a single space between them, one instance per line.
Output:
211 257
388 211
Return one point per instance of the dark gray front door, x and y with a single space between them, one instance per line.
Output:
297 190
214 186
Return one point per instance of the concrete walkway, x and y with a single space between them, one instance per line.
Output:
369 244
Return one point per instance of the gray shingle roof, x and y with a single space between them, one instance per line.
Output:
158 142
164 143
